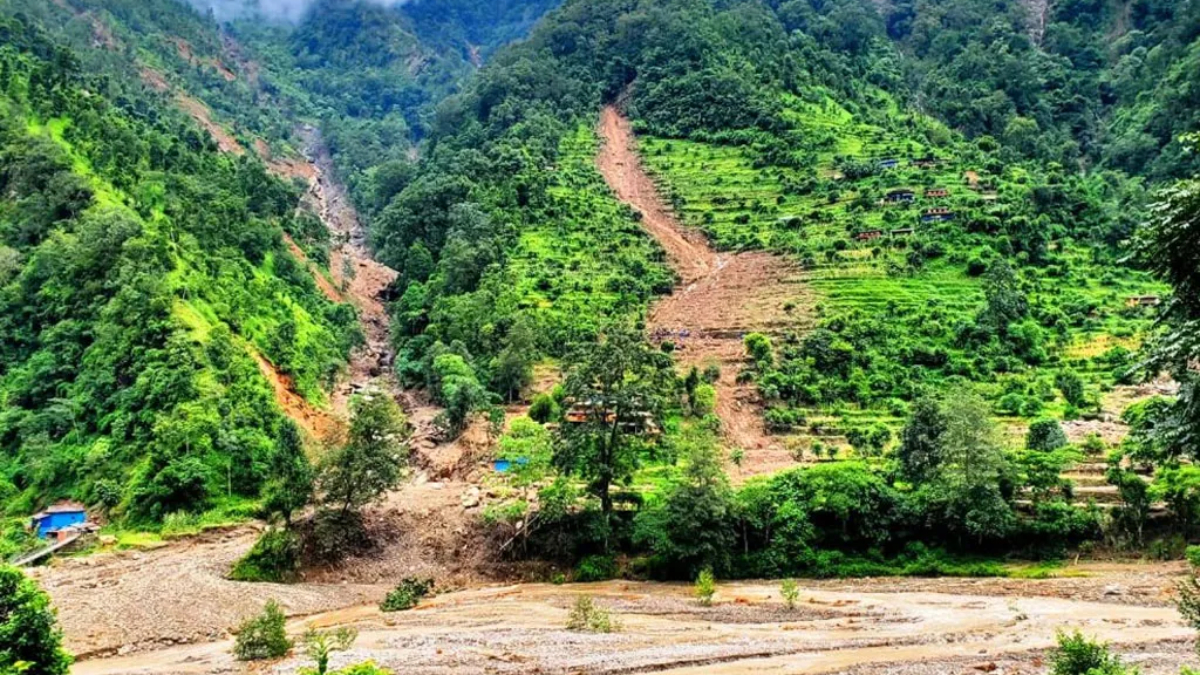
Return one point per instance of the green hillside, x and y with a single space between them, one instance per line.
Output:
144 274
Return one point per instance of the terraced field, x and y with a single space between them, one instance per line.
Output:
889 215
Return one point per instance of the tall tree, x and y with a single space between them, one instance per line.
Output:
619 387
1169 245
373 458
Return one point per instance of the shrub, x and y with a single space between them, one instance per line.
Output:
1193 556
275 557
1045 435
544 409
407 594
706 587
1076 655
319 645
1188 602
586 617
31 639
263 636
704 400
789 590
596 568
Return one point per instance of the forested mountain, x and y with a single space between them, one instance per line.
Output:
949 186
145 273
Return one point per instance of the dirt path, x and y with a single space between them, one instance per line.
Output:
837 627
721 298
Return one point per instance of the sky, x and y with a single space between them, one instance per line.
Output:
277 10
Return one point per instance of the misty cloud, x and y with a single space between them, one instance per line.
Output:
274 10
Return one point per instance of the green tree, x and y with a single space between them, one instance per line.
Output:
1006 304
459 390
291 484
622 387
30 640
512 369
966 493
1045 435
371 461
921 445
692 528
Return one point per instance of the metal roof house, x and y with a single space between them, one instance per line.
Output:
58 517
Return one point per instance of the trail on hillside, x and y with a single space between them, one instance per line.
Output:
721 297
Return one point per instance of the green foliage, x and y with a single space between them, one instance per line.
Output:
157 273
275 557
30 640
624 386
587 617
544 409
263 636
320 645
371 461
458 389
596 568
705 587
689 529
789 590
1045 435
1077 655
1188 602
406 595
364 668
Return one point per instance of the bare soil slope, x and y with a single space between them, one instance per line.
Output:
721 298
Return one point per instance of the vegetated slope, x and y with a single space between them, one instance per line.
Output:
909 238
721 297
146 273
789 130
1107 84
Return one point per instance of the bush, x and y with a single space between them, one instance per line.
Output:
1076 655
706 587
30 638
544 409
789 590
1045 435
263 636
319 645
275 557
1193 556
586 617
331 535
596 568
407 594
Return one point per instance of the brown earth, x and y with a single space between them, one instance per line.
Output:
200 112
318 423
721 298
875 626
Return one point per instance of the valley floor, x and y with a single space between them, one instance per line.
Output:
175 606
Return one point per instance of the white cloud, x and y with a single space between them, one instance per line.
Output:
275 10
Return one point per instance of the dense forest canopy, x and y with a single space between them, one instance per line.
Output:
958 184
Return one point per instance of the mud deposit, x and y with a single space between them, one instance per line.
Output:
865 627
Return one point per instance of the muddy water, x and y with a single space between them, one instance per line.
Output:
520 629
